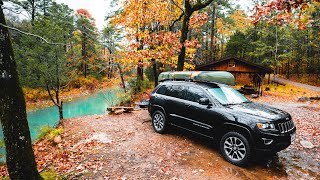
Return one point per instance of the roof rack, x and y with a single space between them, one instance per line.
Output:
198 76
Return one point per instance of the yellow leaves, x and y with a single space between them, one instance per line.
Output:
223 28
140 13
190 52
240 21
188 66
31 94
146 23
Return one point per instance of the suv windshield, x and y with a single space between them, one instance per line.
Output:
227 95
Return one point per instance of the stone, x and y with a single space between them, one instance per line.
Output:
306 144
57 139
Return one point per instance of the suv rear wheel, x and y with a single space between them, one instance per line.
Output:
235 148
159 122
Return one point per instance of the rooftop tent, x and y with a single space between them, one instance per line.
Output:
199 76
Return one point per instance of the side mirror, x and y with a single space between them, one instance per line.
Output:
204 101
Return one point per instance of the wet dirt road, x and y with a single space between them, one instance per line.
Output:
126 146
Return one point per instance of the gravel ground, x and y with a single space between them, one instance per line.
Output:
125 146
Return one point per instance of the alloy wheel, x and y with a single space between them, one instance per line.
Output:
158 121
234 148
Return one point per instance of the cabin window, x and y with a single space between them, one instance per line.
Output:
232 64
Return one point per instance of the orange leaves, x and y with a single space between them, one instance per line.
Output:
281 11
147 23
140 13
84 13
192 44
197 20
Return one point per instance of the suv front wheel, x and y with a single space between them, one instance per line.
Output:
235 148
159 122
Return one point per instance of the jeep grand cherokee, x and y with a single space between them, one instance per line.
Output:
220 112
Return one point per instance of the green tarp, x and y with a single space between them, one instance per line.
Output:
200 76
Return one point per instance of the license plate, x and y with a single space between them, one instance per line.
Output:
293 137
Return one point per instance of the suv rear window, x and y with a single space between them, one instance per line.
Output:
177 91
162 90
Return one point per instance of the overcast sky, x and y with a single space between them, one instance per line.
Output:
97 8
100 8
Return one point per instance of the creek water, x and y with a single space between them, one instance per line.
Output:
94 104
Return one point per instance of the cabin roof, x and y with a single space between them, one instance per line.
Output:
247 63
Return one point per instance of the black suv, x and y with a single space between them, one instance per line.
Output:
220 112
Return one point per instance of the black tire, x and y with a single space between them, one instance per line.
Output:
235 148
159 122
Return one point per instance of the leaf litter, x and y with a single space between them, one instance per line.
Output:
126 147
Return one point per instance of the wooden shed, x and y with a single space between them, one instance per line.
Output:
241 69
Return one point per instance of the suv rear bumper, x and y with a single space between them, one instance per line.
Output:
267 142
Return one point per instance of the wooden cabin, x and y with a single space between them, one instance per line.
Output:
245 72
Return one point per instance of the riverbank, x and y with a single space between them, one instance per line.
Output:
72 94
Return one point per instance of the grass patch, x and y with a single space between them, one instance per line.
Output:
50 174
47 131
289 90
2 144
43 132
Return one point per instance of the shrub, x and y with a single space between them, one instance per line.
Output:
124 98
88 83
136 85
149 73
43 132
31 94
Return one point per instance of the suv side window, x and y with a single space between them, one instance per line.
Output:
177 91
162 90
194 94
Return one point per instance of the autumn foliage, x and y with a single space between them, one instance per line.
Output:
148 26
283 11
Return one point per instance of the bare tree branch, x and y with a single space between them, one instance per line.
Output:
200 5
177 6
180 17
14 11
50 95
34 35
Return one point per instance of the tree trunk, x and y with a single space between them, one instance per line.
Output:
19 154
140 70
183 38
33 12
212 43
61 110
84 53
288 69
57 101
122 80
188 11
155 72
